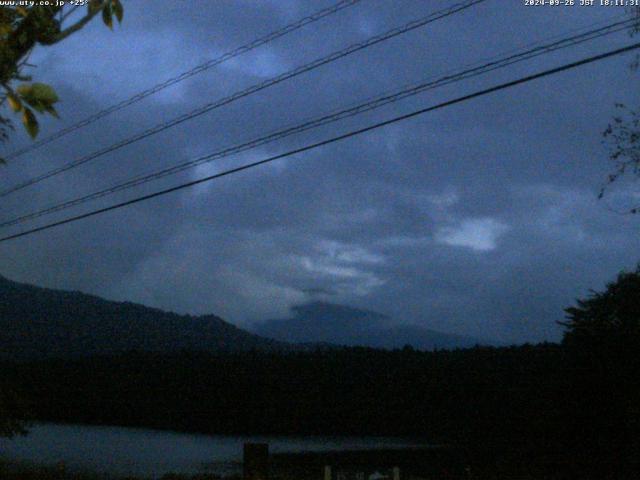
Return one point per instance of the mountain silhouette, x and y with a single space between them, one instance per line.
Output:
40 322
343 325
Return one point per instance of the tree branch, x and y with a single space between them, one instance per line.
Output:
69 12
79 24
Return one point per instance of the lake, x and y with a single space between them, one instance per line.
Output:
152 453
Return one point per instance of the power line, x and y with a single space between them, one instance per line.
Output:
338 138
292 27
372 104
246 92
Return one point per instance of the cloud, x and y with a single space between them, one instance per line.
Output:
480 218
478 234
344 266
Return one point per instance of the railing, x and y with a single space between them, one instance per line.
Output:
439 463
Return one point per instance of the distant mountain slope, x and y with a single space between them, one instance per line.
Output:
38 322
342 325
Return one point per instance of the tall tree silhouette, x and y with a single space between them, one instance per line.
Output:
603 337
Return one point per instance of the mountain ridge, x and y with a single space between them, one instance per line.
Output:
37 322
324 322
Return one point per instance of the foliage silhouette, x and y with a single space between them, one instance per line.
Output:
21 29
602 339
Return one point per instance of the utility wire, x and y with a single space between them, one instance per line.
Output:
246 92
332 117
292 27
331 140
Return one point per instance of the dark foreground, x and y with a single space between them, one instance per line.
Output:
522 412
58 472
569 411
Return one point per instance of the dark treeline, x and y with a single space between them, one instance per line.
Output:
510 407
350 391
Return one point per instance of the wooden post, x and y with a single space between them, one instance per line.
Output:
255 461
396 473
327 472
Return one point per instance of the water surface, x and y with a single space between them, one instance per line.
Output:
152 453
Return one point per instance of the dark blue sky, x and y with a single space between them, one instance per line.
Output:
480 219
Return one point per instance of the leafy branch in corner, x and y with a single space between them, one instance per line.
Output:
21 30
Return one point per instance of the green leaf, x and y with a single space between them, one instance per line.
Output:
44 93
30 123
52 111
14 102
24 90
107 16
38 95
118 10
37 106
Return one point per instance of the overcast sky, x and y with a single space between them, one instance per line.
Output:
480 218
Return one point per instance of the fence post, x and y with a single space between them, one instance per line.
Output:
255 462
396 473
327 472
